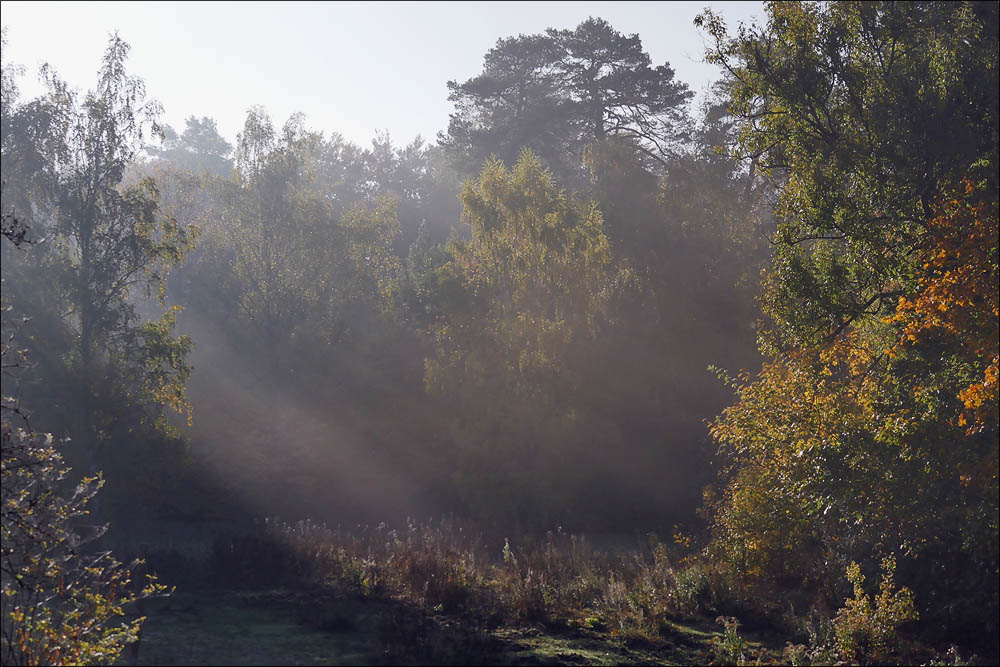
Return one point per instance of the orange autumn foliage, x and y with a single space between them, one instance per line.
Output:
957 293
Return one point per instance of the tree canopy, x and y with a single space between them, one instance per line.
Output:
556 92
872 429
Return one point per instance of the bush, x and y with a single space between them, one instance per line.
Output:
59 603
866 631
731 648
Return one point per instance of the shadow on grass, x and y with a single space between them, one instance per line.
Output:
328 627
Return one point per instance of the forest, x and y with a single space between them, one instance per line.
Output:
606 373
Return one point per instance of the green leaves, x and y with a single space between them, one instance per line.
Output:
523 301
302 263
538 265
554 93
868 115
107 242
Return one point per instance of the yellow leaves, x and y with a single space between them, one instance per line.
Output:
62 609
681 539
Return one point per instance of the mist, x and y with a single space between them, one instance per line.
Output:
603 301
348 364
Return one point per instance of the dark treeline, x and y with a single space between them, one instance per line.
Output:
540 319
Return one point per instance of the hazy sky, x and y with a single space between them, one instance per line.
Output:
352 67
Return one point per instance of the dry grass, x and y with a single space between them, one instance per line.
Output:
559 581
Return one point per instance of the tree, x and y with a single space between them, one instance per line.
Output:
872 429
104 373
425 189
57 602
556 92
301 265
108 240
29 129
515 103
295 267
537 265
955 297
271 224
197 150
614 91
696 244
679 220
522 300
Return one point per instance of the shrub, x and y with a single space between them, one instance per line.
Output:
821 648
692 590
731 648
59 603
521 588
866 630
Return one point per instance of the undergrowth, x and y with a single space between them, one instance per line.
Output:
563 583
560 581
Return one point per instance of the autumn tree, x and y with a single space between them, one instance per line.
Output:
872 429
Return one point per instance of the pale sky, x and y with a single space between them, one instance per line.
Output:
351 67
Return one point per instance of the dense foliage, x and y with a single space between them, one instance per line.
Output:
526 297
516 326
59 604
872 429
557 92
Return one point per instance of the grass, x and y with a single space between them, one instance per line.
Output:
431 594
206 629
298 627
440 594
